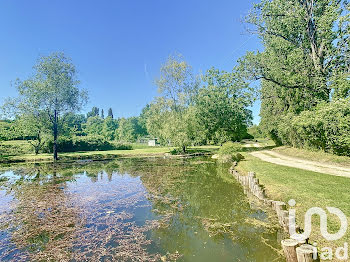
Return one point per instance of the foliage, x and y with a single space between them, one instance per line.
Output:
53 89
73 124
93 125
176 82
229 152
16 147
109 127
122 146
170 117
187 114
143 118
255 132
95 111
110 113
9 131
230 148
324 128
35 128
82 143
129 130
221 107
305 61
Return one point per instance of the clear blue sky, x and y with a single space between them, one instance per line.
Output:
119 46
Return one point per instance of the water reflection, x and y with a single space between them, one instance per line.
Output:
131 210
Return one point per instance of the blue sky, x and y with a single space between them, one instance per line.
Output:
119 46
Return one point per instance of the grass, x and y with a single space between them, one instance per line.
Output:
313 155
100 155
309 189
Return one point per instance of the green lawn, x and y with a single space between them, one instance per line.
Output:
309 189
138 151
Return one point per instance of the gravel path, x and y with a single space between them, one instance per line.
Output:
279 159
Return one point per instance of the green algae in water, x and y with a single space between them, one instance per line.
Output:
131 210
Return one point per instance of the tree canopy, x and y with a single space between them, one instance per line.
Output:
53 90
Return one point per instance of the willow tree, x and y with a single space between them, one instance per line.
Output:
170 116
53 89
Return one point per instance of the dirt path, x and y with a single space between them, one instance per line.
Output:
279 159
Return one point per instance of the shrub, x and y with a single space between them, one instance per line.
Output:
120 146
80 143
325 128
229 152
230 148
13 148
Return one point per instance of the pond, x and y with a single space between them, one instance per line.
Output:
149 209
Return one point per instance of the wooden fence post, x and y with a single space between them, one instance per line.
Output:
289 248
305 253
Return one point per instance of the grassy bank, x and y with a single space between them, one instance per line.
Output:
140 151
309 189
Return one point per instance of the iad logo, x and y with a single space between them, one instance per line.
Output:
323 225
327 253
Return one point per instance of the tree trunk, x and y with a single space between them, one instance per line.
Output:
305 253
38 146
289 248
55 135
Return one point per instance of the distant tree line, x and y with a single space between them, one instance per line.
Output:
190 110
303 75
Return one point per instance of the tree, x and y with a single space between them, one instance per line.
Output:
305 58
95 111
129 130
168 113
34 126
102 114
125 131
93 126
221 107
110 113
109 127
72 124
143 118
53 89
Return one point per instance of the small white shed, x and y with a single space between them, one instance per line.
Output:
152 142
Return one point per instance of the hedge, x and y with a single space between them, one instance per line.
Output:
326 128
84 143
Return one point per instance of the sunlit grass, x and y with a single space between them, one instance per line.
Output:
109 154
309 189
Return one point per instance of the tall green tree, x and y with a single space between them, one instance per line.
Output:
168 113
305 60
95 111
129 130
94 125
110 113
221 106
109 127
72 124
53 89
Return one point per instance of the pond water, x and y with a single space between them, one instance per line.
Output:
131 210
